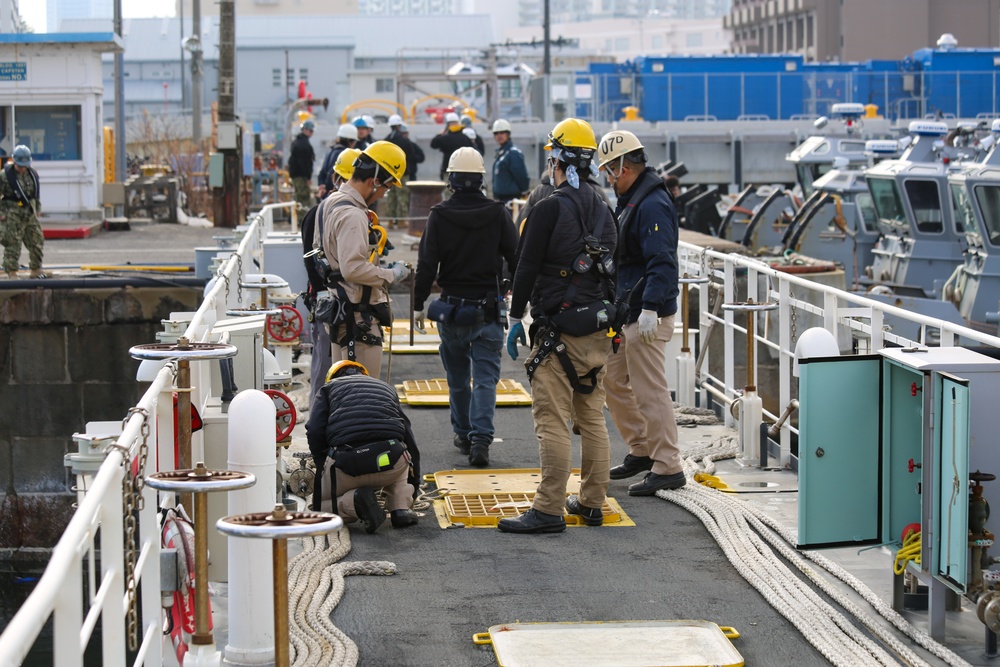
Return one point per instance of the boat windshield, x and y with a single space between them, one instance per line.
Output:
965 217
867 210
925 201
808 173
888 204
988 197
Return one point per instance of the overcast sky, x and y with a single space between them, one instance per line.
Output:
33 11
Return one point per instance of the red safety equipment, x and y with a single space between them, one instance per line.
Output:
196 425
285 327
302 89
285 416
178 534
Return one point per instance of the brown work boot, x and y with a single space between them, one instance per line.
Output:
37 274
12 275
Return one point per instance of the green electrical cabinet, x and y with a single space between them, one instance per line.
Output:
884 442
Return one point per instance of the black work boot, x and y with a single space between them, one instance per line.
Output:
403 518
463 443
368 510
479 455
633 465
653 483
532 521
591 516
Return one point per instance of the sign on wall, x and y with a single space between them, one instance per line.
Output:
13 71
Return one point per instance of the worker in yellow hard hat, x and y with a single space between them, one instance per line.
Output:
361 440
344 235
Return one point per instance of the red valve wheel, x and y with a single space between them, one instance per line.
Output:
913 389
285 327
285 417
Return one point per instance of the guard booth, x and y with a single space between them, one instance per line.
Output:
51 97
888 440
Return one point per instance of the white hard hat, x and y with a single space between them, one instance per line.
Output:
369 122
347 131
395 119
466 160
501 125
614 145
469 132
451 117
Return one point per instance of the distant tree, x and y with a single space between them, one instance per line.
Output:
22 25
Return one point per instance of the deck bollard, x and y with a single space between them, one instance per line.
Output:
750 406
251 448
280 526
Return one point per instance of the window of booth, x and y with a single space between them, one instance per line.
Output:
51 132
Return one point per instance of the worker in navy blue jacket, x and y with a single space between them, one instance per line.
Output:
637 392
510 176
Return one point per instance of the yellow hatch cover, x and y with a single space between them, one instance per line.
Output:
480 498
612 644
434 393
423 343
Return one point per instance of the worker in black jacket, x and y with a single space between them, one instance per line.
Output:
358 425
300 164
449 141
638 395
565 264
347 137
463 247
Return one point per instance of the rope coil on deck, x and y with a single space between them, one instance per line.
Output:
744 533
316 585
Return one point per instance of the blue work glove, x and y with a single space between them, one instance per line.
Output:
515 335
647 324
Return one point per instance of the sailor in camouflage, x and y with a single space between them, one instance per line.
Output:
19 209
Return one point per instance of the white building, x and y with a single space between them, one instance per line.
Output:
10 20
57 11
51 92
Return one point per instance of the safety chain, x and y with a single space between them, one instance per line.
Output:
791 307
133 502
239 279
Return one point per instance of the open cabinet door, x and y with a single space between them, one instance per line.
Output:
839 443
951 488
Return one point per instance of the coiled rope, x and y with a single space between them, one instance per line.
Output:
316 584
744 533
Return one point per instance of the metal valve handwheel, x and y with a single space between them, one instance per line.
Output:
200 480
692 280
261 282
279 524
183 350
302 481
285 415
253 310
286 326
750 306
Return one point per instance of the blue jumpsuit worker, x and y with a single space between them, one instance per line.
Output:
565 265
300 164
510 176
319 336
638 396
464 246
347 137
358 429
19 207
345 234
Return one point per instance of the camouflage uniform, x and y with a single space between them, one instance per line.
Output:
302 193
19 220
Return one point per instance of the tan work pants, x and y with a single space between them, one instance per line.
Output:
639 398
552 396
398 493
369 356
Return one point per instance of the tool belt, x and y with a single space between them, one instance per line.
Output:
370 458
457 311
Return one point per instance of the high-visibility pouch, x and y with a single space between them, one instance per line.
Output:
369 459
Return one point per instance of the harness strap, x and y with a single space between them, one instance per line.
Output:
551 342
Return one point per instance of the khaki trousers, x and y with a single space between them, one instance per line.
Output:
639 398
552 398
369 356
398 493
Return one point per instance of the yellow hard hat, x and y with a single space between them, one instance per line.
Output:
390 157
345 163
615 145
345 367
572 133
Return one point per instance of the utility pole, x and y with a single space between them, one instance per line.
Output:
196 72
547 63
180 6
227 198
119 104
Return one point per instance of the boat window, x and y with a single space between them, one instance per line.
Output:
965 217
925 201
885 197
852 146
867 210
988 197
806 178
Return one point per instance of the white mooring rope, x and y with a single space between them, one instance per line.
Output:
315 585
744 533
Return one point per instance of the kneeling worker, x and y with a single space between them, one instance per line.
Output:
357 422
